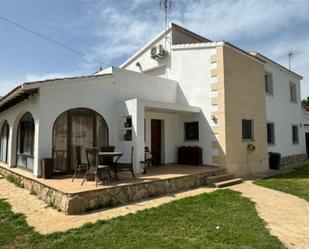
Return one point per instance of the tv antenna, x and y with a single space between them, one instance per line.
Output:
166 5
291 53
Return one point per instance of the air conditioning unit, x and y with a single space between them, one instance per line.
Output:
158 52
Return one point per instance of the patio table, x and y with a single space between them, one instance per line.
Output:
116 156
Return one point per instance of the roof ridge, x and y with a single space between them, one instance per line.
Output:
196 44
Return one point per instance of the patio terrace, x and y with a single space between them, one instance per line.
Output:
72 198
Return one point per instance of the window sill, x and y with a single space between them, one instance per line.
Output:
24 168
271 144
248 140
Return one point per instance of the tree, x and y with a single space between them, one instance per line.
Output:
305 104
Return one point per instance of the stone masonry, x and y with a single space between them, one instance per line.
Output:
292 159
81 202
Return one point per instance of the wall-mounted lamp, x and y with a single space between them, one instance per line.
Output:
138 64
213 118
250 147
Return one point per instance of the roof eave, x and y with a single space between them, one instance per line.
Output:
28 88
17 95
257 55
244 52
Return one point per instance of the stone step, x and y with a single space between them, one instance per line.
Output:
227 183
216 172
211 180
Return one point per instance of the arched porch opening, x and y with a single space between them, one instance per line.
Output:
76 127
4 141
25 142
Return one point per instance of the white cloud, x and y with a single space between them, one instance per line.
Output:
270 27
122 31
251 18
120 28
265 26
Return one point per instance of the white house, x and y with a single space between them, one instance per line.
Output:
180 89
306 130
285 118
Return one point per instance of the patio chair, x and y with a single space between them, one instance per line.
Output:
60 157
80 167
122 167
148 159
95 169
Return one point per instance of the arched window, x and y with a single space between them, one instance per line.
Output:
4 142
25 142
77 127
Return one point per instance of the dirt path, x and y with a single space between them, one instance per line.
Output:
48 220
287 216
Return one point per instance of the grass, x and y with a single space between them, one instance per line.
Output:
221 219
295 182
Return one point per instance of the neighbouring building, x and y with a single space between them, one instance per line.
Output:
180 89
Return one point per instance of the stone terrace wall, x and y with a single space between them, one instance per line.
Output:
94 199
287 160
52 197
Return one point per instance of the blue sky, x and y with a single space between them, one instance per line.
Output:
109 31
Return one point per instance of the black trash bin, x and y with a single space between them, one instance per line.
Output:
274 160
47 168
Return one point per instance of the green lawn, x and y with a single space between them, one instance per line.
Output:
221 219
295 182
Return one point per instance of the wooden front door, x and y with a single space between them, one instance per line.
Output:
156 141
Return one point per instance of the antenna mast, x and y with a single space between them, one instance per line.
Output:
291 53
166 5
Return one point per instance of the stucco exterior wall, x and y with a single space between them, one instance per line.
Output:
244 98
224 82
171 134
192 69
283 113
159 67
99 94
13 116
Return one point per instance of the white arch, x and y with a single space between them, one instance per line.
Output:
13 137
5 122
